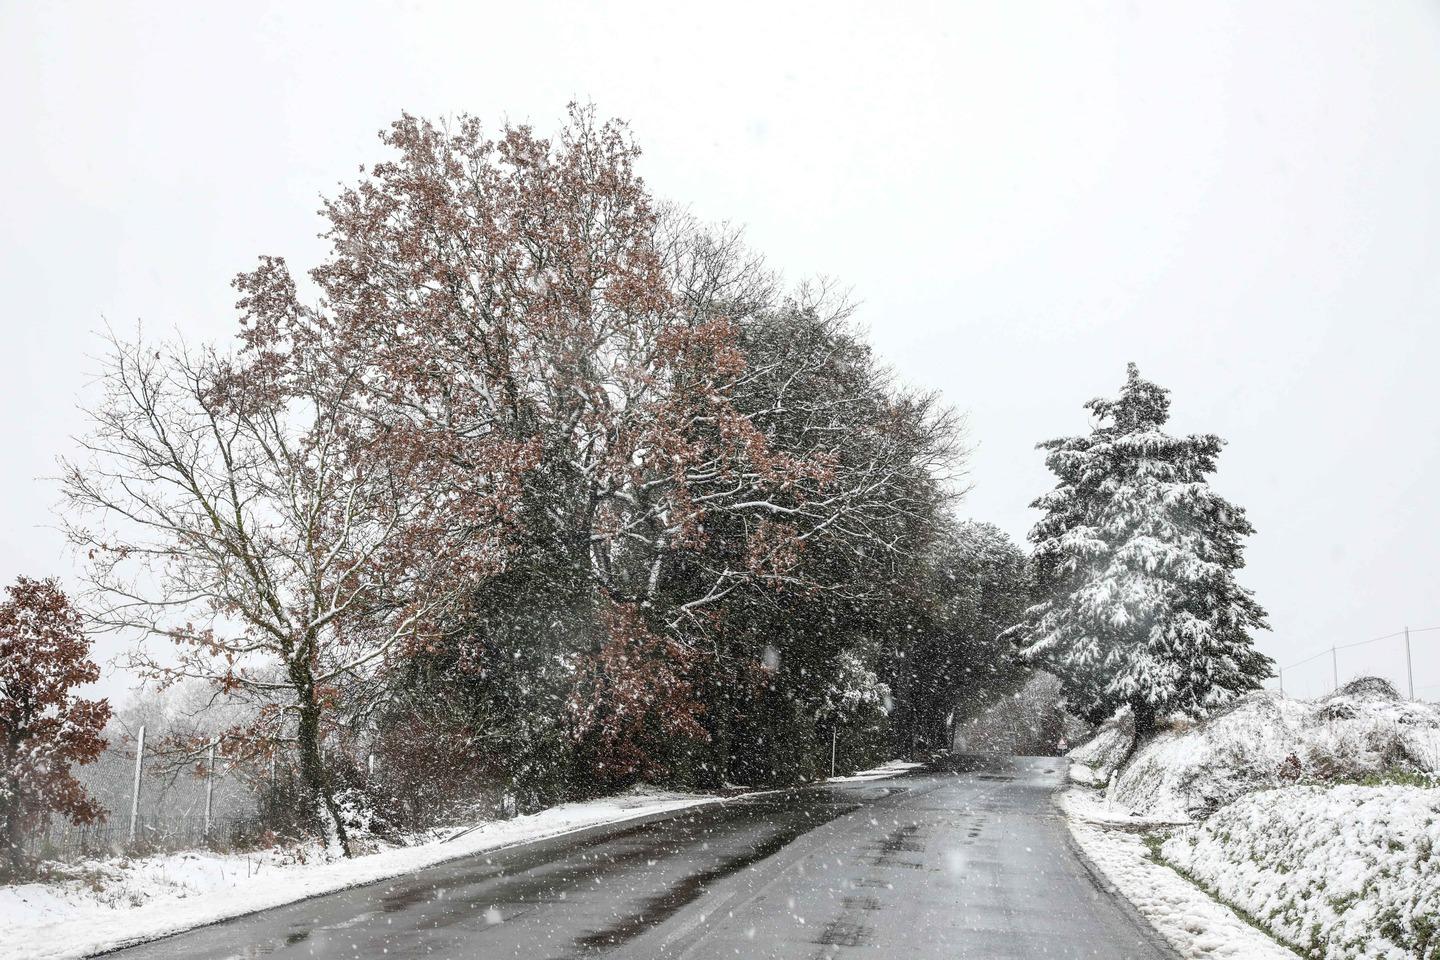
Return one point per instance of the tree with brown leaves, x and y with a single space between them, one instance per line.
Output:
44 727
522 293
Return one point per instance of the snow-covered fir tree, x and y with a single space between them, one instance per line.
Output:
1135 561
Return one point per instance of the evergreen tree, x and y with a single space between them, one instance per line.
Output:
1135 559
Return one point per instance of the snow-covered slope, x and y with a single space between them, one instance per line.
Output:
1102 753
1342 873
1266 740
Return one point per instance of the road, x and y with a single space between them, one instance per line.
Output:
970 861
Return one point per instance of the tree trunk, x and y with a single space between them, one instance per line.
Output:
312 762
12 865
1146 723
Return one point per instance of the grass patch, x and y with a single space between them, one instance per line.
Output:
1154 841
1390 778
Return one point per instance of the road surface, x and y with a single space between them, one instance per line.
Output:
972 861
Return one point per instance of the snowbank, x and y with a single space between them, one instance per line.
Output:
1102 753
1194 924
110 904
1342 873
892 769
1267 740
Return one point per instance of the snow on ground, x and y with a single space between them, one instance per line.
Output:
118 902
891 769
1188 772
1102 753
1196 925
108 904
1343 873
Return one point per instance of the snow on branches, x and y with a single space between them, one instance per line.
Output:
252 513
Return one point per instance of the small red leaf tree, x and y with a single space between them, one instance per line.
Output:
636 710
45 728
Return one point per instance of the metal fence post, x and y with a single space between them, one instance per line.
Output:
135 789
1409 670
209 787
1334 669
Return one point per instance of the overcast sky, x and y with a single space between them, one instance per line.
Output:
1242 198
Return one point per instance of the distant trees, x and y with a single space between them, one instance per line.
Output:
45 728
1135 557
975 583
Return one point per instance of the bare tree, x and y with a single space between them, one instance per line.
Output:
283 541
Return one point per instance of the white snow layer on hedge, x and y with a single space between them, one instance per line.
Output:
1190 771
1342 873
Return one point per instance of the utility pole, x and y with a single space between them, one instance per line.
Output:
1409 670
834 738
135 789
1282 680
1334 670
209 787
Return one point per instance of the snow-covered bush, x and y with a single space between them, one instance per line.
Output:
1364 730
855 695
1341 873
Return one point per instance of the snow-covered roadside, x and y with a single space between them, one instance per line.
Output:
1343 872
892 769
113 903
1196 925
126 902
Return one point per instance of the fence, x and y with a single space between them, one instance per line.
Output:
149 814
62 840
1401 657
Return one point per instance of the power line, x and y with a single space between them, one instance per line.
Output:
1335 663
1360 643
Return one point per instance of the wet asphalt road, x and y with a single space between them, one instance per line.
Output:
968 862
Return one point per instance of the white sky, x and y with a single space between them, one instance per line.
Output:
1243 198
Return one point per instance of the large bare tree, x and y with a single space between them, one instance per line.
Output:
277 536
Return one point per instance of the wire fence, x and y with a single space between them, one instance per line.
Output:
67 842
1407 657
154 805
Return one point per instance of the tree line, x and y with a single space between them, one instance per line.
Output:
537 484
534 481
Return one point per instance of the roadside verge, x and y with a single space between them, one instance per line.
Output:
1196 925
165 895
108 905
